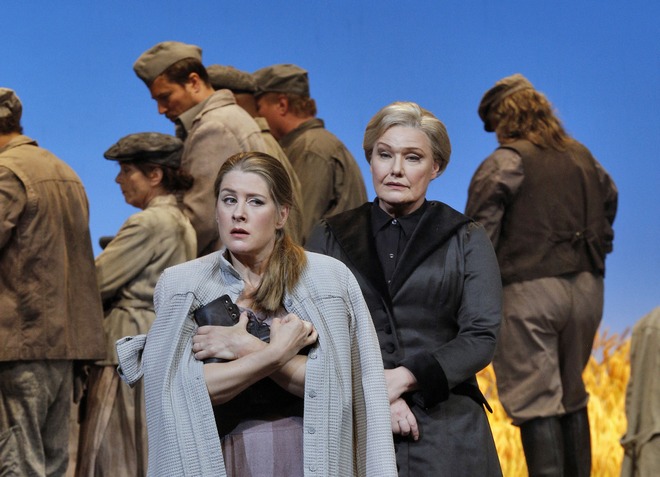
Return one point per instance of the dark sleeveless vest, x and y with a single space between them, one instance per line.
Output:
556 224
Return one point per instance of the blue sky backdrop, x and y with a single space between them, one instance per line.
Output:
597 61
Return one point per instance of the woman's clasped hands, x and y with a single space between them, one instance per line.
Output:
288 334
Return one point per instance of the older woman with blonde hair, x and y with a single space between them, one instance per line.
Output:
430 278
297 388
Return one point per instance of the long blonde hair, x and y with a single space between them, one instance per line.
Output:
527 114
287 260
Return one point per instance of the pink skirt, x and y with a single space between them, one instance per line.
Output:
264 448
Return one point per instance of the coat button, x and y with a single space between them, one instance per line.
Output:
389 347
312 394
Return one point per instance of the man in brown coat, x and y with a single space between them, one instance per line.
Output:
50 306
330 178
211 124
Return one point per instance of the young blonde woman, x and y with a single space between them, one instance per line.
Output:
308 398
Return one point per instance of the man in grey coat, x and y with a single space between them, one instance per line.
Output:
211 124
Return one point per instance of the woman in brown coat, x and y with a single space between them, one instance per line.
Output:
113 432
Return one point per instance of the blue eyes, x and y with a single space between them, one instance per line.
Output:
387 155
232 200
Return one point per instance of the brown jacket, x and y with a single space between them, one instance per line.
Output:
50 306
218 129
294 223
330 179
127 270
555 208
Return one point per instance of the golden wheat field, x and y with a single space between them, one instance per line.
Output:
606 377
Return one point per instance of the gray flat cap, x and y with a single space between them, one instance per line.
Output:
502 89
151 147
158 58
10 105
231 78
282 79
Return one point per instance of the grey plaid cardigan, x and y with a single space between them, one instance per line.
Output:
347 430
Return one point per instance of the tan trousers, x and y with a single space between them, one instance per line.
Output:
546 337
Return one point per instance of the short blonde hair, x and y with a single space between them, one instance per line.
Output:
409 114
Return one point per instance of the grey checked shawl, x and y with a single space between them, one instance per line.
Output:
347 430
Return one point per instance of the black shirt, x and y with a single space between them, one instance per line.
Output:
392 235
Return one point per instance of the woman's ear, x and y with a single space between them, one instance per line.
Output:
436 170
283 216
155 176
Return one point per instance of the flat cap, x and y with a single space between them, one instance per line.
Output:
158 58
231 78
502 89
153 147
282 79
10 105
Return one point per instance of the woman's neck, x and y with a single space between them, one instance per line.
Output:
157 191
251 270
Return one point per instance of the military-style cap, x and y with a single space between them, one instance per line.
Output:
502 89
151 147
231 78
282 79
10 105
158 58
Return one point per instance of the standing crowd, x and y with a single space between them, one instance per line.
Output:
267 320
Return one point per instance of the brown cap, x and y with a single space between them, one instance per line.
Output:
282 79
10 105
231 78
153 147
502 89
158 58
